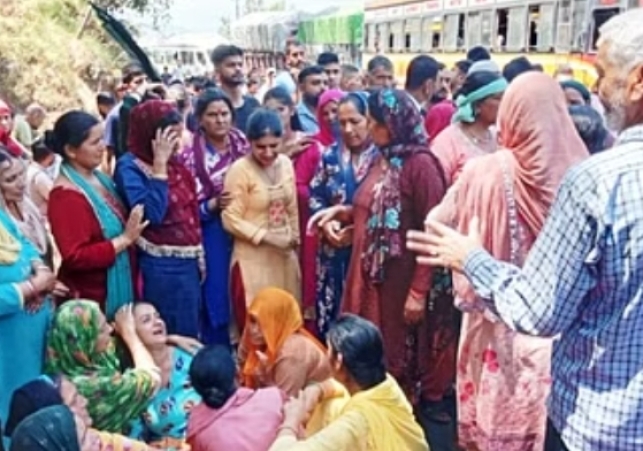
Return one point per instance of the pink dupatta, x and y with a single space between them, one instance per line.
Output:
325 135
539 143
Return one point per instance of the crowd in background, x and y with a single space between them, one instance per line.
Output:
322 260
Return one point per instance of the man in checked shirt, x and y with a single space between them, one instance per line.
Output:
583 279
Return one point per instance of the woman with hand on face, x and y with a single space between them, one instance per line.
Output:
216 146
262 216
305 153
170 250
343 167
164 421
81 347
88 220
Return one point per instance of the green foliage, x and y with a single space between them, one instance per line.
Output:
42 59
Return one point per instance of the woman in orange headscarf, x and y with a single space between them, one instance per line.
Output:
275 349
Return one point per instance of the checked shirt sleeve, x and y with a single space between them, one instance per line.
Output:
544 297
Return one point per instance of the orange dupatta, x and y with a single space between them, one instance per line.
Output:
279 316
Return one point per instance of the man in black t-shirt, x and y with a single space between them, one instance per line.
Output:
228 65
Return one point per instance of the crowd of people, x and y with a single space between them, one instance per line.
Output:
322 261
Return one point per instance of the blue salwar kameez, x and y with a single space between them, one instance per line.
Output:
171 273
209 167
22 334
217 244
334 183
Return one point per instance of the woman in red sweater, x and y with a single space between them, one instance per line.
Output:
88 219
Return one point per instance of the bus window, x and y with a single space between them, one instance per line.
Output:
396 36
383 38
599 17
579 25
485 28
473 30
436 32
516 32
462 20
451 30
534 28
563 27
370 38
413 35
546 27
502 19
427 30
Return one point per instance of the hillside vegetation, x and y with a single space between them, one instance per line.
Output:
42 59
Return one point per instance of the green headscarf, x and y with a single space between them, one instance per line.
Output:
114 397
579 87
496 84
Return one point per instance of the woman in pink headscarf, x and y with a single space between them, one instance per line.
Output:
6 127
504 377
327 117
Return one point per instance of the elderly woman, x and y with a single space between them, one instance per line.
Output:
81 348
384 284
25 309
170 250
262 216
343 167
88 219
376 418
216 146
504 377
471 133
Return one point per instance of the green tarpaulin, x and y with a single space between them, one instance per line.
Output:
341 27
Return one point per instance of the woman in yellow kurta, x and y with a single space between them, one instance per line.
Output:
377 417
262 216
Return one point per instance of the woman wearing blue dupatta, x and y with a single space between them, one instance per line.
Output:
88 219
343 166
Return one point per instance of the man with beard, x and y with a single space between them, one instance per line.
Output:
312 83
582 281
228 66
295 62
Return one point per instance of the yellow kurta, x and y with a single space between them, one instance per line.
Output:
378 419
259 207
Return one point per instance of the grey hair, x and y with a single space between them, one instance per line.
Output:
625 35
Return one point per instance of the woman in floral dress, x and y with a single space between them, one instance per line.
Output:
343 167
